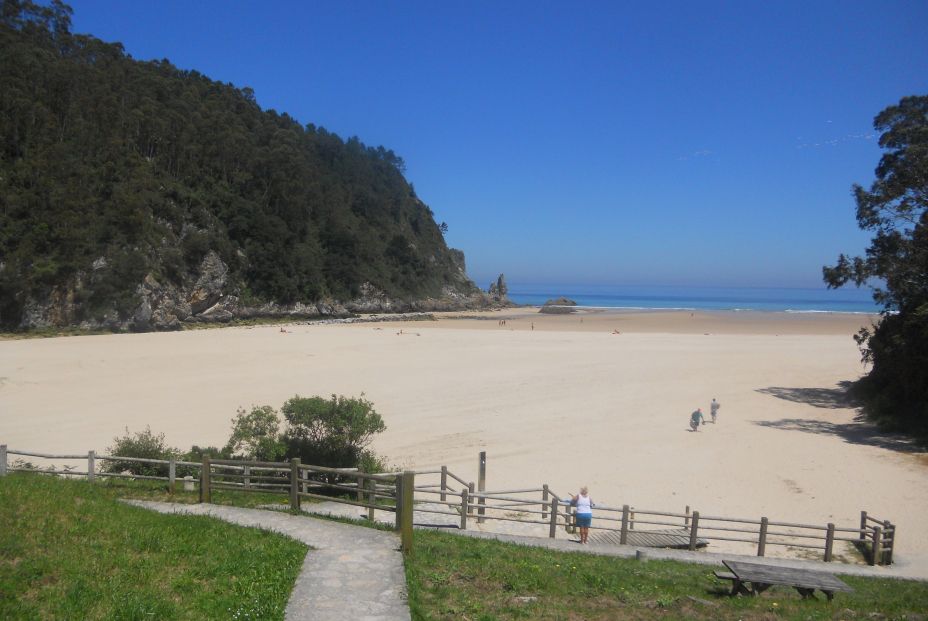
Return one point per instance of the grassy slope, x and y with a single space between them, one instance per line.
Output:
452 577
69 550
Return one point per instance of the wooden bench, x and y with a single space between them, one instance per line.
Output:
762 577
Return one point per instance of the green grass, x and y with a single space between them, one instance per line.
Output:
454 577
69 550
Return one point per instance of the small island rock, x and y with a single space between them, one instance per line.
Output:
559 306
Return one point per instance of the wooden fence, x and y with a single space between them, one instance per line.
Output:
625 525
391 492
451 495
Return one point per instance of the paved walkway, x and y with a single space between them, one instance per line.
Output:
352 572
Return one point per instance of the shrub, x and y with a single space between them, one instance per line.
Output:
372 463
255 435
143 444
330 432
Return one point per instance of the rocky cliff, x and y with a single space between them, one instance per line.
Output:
211 297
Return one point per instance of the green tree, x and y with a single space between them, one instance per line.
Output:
330 432
255 434
895 210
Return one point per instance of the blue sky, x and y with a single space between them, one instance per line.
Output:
671 143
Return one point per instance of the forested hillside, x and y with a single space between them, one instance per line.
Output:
138 195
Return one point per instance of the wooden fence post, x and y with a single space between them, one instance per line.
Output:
552 530
470 493
247 472
444 483
829 542
409 486
205 495
890 529
91 465
2 460
544 501
631 520
464 509
762 537
482 487
295 484
172 474
863 525
623 535
398 497
694 527
877 546
371 498
686 520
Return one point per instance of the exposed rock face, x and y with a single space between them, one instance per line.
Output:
209 286
212 298
498 290
559 306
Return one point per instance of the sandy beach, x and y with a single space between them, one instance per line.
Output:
596 398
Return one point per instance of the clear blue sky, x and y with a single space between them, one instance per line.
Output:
697 143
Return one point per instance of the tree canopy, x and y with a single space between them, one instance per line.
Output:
112 169
895 210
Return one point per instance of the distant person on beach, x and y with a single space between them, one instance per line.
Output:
714 409
696 418
584 505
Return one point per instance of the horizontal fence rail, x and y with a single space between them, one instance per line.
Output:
402 493
540 506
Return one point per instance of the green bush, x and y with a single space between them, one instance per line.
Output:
143 444
255 435
330 432
372 462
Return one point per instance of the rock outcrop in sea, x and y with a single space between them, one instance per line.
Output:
559 306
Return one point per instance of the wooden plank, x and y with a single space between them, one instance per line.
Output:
786 576
667 538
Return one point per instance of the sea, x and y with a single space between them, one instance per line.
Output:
742 299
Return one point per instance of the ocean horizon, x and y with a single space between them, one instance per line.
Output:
767 299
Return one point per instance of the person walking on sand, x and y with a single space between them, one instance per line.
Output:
584 505
714 409
696 418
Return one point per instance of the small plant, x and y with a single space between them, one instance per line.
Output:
144 444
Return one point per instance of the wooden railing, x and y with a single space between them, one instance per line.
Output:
391 492
91 472
541 506
401 494
878 538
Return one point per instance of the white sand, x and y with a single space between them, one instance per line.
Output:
567 404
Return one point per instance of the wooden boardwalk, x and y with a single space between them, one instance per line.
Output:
666 538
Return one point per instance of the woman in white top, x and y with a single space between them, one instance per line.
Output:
584 505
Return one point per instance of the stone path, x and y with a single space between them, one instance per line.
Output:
352 572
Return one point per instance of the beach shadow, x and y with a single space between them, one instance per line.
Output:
832 398
857 432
